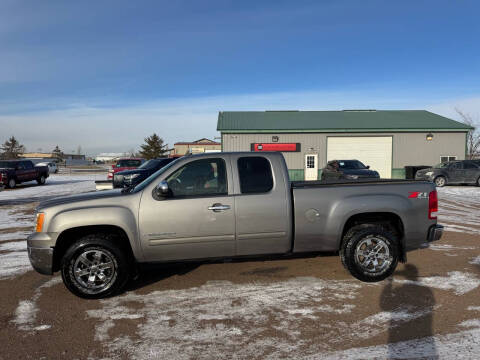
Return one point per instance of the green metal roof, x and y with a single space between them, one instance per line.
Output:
336 121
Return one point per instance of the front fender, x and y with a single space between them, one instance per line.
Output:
121 217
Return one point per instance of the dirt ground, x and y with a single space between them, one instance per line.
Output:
308 308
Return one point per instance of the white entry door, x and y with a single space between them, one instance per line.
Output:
375 151
311 167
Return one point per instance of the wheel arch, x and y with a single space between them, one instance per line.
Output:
388 220
70 236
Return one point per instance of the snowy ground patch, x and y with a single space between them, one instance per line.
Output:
221 316
459 282
459 208
57 185
27 310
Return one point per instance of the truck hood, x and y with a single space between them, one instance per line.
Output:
360 172
423 171
80 198
131 172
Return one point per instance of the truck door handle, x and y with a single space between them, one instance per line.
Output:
219 207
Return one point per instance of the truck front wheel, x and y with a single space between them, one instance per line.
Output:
12 183
370 253
94 268
41 180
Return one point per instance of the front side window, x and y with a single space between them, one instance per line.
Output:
199 178
255 175
469 165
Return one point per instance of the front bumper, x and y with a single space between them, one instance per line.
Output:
40 253
435 233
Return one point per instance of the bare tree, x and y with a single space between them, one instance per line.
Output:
473 136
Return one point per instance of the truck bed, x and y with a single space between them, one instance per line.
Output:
322 208
309 184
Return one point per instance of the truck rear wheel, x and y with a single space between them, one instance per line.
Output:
370 253
94 267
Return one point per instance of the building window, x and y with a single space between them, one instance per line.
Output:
445 158
310 162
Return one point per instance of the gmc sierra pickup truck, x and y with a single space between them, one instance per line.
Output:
13 172
228 205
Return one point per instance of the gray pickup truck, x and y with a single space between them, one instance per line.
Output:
229 205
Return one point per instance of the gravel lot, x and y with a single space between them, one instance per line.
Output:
304 308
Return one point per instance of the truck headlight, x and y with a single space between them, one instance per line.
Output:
351 176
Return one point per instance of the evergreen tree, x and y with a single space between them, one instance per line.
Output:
57 152
11 149
153 147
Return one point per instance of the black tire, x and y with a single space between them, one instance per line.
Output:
11 183
41 180
478 182
84 251
357 264
440 181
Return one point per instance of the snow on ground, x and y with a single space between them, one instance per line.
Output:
57 185
459 282
16 214
461 345
27 310
459 208
220 317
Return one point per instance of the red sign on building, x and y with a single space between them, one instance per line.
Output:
286 147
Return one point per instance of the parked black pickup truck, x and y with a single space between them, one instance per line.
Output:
133 177
13 172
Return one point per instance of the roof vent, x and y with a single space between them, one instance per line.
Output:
364 110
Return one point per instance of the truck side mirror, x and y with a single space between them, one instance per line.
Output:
368 166
162 189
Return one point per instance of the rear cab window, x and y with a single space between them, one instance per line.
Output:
255 175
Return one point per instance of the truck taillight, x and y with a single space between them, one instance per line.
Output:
432 205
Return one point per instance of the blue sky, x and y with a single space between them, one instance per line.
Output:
105 74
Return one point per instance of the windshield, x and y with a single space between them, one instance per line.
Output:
152 177
351 164
8 164
441 165
149 164
128 163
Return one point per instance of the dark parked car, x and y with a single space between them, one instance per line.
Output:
136 176
452 172
348 169
13 172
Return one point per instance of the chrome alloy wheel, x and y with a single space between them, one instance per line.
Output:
372 254
95 270
440 181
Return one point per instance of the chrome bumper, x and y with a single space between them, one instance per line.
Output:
40 252
435 233
41 259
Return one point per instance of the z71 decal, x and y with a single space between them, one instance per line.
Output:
418 195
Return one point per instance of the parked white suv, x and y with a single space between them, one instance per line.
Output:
52 167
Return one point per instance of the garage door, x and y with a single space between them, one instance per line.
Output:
375 151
